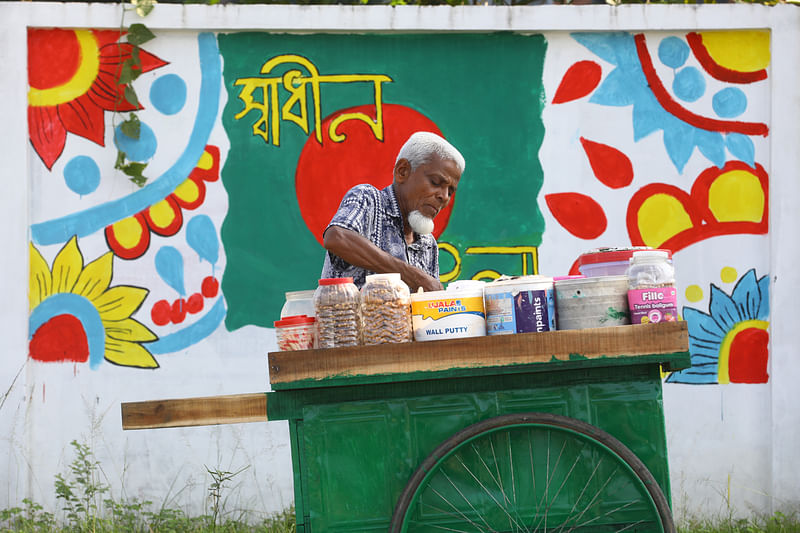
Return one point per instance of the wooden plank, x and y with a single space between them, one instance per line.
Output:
478 352
202 411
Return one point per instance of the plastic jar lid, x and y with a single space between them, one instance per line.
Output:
650 256
611 255
300 295
297 320
391 276
335 281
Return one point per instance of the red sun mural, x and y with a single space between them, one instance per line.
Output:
73 80
360 158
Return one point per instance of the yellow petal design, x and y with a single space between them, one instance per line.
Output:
96 277
67 267
660 218
40 278
119 303
129 330
129 354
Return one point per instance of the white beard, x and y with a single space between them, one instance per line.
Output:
420 223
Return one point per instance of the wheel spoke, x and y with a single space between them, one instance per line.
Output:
587 480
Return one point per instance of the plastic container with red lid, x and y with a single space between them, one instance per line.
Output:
336 306
609 261
335 281
296 333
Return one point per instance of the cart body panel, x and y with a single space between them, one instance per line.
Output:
352 458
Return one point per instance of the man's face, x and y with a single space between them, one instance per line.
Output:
428 188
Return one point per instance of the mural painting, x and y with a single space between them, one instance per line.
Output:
572 141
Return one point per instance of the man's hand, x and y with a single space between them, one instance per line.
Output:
416 278
361 252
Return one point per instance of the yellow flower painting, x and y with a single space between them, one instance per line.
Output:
76 316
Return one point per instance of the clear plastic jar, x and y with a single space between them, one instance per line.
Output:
652 296
298 303
385 310
336 304
295 333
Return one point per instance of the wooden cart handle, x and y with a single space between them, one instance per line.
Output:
203 411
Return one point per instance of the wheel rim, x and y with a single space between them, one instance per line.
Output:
524 476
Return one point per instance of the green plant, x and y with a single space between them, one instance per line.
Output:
219 478
80 493
31 517
135 35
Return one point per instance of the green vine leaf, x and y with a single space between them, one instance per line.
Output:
129 71
130 96
139 34
132 169
131 127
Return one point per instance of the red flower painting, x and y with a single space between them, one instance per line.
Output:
73 77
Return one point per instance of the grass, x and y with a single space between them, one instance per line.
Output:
777 523
85 508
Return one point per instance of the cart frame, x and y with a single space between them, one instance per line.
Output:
362 419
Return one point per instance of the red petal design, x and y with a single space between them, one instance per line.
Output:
82 117
47 133
174 223
610 166
105 37
138 249
150 61
580 79
197 202
116 54
106 92
578 214
211 174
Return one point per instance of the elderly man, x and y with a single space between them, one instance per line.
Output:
390 230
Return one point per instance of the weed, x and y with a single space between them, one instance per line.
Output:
219 478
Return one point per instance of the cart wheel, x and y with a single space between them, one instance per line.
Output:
532 472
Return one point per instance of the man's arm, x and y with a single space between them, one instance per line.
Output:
361 252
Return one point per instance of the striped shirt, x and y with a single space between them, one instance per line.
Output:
376 215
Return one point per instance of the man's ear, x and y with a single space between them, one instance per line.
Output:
402 169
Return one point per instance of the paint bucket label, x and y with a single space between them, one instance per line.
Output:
657 304
450 314
517 306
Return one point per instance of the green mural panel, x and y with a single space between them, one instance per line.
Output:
483 92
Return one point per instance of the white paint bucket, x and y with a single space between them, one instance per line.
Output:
520 305
593 302
452 314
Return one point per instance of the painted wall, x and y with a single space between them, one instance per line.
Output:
667 126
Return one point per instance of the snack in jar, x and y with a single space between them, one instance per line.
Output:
336 305
295 333
385 310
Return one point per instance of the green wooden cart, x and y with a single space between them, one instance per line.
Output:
556 431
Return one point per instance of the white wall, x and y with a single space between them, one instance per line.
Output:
732 448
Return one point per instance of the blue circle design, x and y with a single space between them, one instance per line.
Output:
673 52
168 94
140 149
689 84
82 175
729 102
